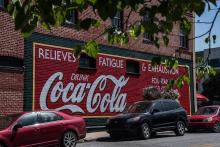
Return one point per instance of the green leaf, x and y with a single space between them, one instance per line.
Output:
214 38
91 49
156 61
88 22
78 50
213 2
171 63
179 82
135 31
200 8
166 40
170 84
207 40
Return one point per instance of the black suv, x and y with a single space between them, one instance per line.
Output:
145 118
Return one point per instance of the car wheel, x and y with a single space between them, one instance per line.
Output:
1 145
191 130
180 128
69 139
216 127
145 131
114 136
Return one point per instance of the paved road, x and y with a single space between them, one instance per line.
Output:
162 140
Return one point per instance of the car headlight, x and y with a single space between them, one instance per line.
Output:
134 119
207 119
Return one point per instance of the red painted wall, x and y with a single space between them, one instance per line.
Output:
60 83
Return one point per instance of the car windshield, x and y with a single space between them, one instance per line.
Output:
207 110
6 121
140 107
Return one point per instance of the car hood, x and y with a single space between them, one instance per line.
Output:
201 116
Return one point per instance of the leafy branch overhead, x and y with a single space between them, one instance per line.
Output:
162 15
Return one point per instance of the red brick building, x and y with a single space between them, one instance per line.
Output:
22 72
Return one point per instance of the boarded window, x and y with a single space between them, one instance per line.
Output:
132 67
87 62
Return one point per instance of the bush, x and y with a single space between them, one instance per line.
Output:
170 94
151 93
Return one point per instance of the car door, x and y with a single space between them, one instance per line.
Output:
158 115
29 134
170 113
51 127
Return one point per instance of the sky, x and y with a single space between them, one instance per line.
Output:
201 28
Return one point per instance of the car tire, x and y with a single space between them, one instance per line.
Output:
153 134
216 127
1 145
69 139
180 128
145 131
191 130
114 136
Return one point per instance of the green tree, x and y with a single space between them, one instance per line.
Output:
28 14
211 88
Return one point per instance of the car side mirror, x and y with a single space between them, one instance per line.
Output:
16 127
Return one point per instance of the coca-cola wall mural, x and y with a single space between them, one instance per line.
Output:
59 83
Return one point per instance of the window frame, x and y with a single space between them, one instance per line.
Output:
132 63
183 39
2 4
147 38
74 16
118 19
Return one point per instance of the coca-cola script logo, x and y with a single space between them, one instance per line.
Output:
74 94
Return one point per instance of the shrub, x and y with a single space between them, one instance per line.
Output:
170 94
151 93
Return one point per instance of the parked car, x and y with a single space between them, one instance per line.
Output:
41 128
207 117
145 118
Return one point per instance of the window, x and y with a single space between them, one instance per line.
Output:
49 117
158 107
171 105
117 20
1 3
183 39
132 67
87 62
72 17
10 63
28 119
148 38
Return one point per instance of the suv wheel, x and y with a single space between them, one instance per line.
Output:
180 128
114 136
1 145
69 139
216 127
145 131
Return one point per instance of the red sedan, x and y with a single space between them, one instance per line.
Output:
207 117
41 128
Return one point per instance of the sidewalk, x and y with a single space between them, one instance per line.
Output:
95 135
